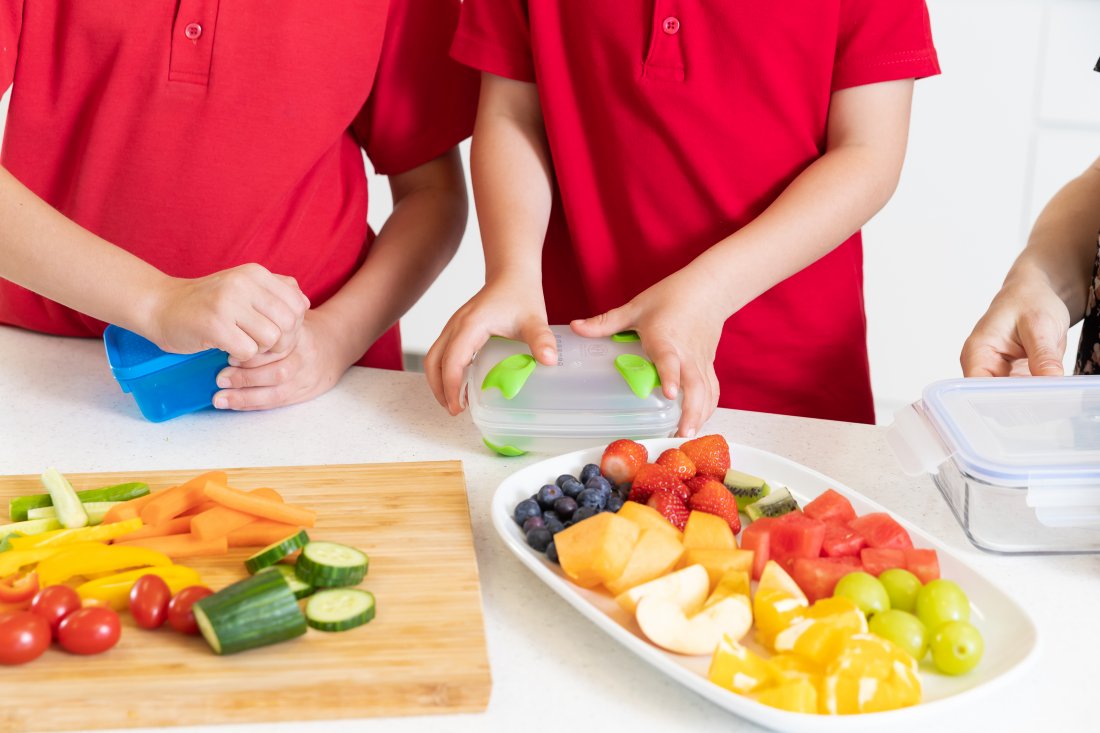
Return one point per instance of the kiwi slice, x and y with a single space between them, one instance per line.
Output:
775 504
745 487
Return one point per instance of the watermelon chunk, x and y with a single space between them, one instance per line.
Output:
882 530
830 507
925 564
756 537
877 560
841 541
818 576
795 535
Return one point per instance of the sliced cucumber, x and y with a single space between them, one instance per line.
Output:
776 504
70 511
339 609
29 527
96 511
120 492
300 588
745 487
329 565
275 552
254 612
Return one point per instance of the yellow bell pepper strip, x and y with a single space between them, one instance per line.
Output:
100 533
96 559
114 590
13 560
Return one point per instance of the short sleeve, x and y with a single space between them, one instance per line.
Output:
422 102
495 36
883 40
11 22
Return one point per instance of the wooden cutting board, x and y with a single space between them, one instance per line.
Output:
423 653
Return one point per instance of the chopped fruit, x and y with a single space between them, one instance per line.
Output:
596 550
775 577
746 488
733 583
796 696
678 462
925 564
756 538
877 560
652 478
697 482
714 498
656 553
622 459
738 669
688 585
882 530
865 591
688 629
794 666
777 603
719 562
708 531
775 504
818 576
822 630
870 675
710 454
841 540
795 535
670 507
648 518
830 506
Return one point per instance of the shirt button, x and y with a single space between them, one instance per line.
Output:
671 25
194 30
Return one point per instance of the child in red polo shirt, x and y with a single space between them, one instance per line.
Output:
162 160
696 171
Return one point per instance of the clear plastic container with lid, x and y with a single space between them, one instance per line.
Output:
600 390
1017 459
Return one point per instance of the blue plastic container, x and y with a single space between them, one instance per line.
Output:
164 385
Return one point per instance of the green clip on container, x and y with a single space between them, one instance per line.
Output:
600 390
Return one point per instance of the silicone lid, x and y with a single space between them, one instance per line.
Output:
510 375
626 337
504 450
132 356
638 372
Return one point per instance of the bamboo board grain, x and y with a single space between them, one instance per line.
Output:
423 653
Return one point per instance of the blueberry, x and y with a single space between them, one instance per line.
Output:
624 490
539 538
550 515
531 522
552 553
588 472
548 495
615 503
554 525
592 499
599 483
584 512
563 478
526 509
572 487
565 506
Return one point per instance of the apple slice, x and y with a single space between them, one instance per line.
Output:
678 629
689 588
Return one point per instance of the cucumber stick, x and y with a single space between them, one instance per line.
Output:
299 588
330 565
70 512
275 552
120 492
29 527
96 511
254 612
339 609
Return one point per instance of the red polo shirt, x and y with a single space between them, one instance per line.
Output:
672 124
201 135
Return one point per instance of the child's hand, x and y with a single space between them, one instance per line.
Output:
310 367
680 328
512 308
1023 332
245 311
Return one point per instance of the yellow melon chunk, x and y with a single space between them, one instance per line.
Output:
647 517
708 532
733 583
655 555
718 562
597 549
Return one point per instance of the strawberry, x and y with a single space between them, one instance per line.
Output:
677 461
651 478
622 459
670 507
697 482
710 454
714 498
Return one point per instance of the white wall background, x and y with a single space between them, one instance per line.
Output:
1015 115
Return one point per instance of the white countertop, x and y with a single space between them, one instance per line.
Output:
552 670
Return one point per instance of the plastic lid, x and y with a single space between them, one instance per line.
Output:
131 356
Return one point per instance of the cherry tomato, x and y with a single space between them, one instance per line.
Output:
149 599
23 637
180 616
90 630
54 603
18 589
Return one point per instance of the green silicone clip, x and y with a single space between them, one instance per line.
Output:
639 373
504 450
510 375
626 337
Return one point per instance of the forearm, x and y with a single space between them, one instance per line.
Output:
44 251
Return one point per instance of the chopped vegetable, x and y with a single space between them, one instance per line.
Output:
92 558
29 527
260 533
120 492
253 612
114 590
276 551
70 512
300 588
128 509
17 589
203 507
329 565
175 501
179 525
263 508
339 609
101 533
179 545
96 511
14 560
221 520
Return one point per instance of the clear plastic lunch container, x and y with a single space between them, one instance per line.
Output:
1018 459
163 385
600 390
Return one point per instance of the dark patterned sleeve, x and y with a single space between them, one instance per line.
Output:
1088 348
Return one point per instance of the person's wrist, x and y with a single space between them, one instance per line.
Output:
347 345
145 303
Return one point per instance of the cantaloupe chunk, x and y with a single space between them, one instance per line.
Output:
708 532
597 549
656 553
718 562
647 517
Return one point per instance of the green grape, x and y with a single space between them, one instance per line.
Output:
941 601
865 591
902 587
956 647
904 629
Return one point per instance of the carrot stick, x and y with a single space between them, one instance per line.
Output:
206 505
179 525
180 545
261 533
175 501
127 509
221 520
262 508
